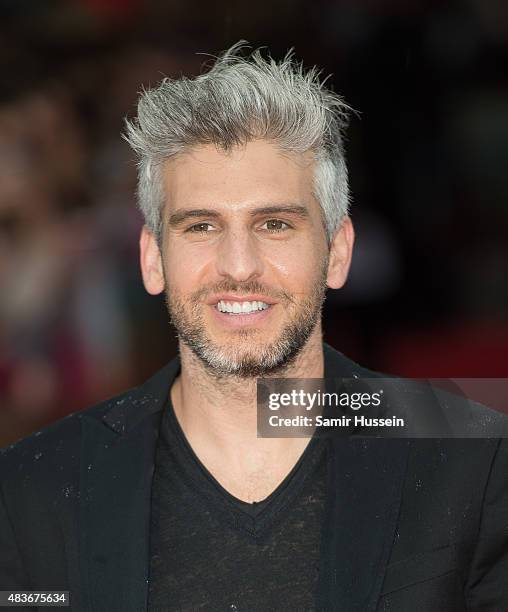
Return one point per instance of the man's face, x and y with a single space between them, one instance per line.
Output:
244 256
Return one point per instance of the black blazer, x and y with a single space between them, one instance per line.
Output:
410 525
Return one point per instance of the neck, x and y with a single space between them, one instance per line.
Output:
219 418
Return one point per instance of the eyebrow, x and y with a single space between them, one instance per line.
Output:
181 216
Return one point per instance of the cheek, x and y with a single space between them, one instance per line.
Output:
180 267
186 269
296 267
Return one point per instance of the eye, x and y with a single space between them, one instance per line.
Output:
199 228
275 225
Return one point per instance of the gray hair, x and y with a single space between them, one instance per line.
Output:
239 100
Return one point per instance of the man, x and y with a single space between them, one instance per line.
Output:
164 498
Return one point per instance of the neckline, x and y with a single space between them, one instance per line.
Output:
254 518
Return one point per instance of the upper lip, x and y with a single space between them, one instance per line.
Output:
215 299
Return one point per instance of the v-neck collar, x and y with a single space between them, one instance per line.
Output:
235 511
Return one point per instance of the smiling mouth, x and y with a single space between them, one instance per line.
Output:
241 308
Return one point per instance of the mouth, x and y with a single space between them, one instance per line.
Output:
236 308
238 311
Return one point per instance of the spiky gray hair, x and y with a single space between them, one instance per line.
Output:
238 100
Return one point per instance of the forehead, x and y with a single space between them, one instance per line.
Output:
251 174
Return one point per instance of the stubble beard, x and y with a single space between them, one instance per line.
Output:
246 356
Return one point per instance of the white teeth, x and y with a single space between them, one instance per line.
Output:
241 307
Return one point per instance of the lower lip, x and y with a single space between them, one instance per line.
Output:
241 320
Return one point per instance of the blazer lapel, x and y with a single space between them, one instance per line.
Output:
365 487
365 481
117 464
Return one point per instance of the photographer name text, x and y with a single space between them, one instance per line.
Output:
308 401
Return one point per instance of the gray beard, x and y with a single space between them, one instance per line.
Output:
262 361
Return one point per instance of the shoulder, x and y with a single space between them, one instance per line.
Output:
61 441
430 408
52 451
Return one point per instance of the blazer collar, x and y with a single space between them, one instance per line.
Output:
124 412
130 408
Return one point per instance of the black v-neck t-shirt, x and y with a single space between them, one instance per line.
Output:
212 551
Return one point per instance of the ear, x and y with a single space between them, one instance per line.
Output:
341 250
151 262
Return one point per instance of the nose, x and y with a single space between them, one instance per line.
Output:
238 256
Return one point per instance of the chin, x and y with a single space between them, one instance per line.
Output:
235 359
